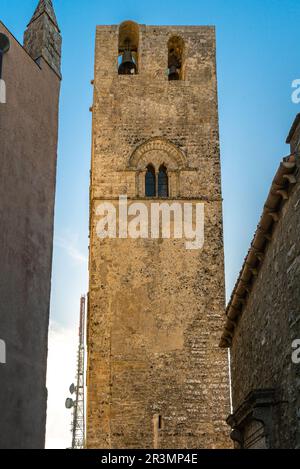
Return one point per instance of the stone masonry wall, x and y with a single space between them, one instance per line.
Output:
262 344
28 148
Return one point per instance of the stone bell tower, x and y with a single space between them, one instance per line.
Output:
156 376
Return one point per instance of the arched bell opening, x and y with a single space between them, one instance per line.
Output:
175 58
128 48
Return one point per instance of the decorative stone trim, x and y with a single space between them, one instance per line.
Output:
257 407
157 144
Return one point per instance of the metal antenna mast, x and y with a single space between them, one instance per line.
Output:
78 404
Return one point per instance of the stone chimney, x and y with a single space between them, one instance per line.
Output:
42 37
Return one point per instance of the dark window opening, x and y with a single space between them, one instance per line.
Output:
150 182
160 422
163 182
175 58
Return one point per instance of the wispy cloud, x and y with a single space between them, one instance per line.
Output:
69 245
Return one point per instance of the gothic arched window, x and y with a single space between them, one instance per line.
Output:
163 182
150 182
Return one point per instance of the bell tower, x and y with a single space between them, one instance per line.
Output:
156 377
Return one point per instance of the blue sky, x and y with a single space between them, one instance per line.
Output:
258 57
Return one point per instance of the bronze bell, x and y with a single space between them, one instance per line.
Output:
174 67
127 67
173 73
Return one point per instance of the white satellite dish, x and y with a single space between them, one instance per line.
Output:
69 403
